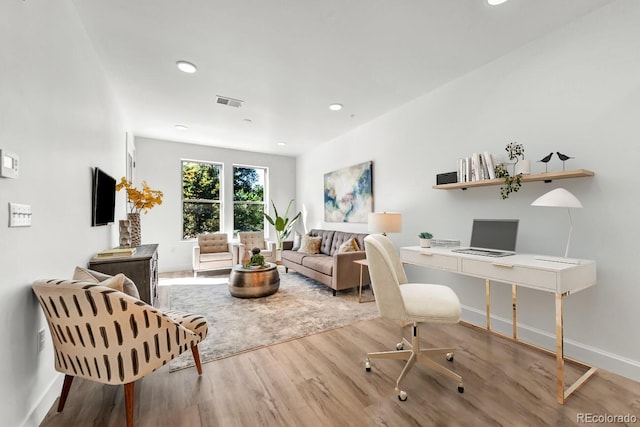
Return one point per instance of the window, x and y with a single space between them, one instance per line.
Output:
248 198
201 199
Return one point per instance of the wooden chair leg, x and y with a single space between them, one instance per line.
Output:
128 402
196 358
66 386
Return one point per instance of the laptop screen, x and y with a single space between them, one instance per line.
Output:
497 234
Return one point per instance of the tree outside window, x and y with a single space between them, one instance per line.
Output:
248 198
201 203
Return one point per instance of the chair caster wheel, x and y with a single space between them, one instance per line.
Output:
399 346
402 396
460 389
450 357
367 365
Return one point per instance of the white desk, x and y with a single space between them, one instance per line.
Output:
519 270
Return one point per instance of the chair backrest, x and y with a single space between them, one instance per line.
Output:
105 335
387 274
213 242
252 239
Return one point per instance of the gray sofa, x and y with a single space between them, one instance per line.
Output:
336 270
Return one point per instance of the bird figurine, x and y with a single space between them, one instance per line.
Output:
545 160
563 157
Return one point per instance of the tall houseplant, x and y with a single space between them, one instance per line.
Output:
282 224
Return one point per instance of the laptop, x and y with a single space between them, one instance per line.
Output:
492 237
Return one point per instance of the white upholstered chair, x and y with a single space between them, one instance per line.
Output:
102 334
255 239
410 304
213 252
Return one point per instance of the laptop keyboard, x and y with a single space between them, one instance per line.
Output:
482 252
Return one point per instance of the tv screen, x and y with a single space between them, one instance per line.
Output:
103 198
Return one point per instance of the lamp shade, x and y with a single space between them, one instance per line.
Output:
385 222
558 198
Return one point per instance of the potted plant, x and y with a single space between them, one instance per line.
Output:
512 183
283 225
256 261
425 239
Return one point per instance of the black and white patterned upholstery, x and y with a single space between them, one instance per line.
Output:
105 335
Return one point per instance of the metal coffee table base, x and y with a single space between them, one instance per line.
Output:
250 283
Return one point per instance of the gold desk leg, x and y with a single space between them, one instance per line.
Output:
488 303
514 311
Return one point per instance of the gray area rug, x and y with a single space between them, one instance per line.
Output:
301 307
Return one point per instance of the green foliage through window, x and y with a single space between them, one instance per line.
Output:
248 198
201 204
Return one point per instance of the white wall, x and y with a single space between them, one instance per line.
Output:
159 163
57 113
576 91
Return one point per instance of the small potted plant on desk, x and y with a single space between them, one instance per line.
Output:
425 239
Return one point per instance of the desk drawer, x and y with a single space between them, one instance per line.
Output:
429 259
507 273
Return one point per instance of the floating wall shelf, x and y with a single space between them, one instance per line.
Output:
546 177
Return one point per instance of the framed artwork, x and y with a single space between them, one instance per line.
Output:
348 194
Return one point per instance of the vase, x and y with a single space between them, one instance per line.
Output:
136 236
125 233
523 167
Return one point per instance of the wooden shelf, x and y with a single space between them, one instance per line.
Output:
546 177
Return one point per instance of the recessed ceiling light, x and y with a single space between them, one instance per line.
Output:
495 2
187 67
247 120
282 144
182 127
335 107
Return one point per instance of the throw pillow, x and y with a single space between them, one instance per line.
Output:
310 244
91 276
297 240
348 246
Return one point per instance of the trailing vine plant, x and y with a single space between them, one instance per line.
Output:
511 183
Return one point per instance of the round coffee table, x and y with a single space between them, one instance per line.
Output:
254 283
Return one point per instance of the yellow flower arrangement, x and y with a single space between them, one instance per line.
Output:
140 200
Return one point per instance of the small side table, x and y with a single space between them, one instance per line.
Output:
363 263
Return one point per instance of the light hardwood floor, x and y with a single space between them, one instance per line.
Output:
320 380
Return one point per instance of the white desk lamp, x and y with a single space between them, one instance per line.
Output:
560 198
385 222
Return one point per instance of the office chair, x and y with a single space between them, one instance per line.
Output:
411 304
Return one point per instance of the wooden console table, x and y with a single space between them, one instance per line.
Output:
141 268
521 270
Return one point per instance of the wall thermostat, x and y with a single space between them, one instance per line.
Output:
8 164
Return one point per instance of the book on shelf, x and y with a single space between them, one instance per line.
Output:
116 252
477 167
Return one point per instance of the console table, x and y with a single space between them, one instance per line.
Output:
141 268
520 270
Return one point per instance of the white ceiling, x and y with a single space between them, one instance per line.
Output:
289 59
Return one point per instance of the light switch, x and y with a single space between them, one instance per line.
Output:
19 215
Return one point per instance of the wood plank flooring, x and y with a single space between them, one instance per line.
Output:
320 380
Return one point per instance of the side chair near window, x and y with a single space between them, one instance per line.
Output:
411 304
213 252
102 334
255 239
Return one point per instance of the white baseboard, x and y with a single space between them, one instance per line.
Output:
582 352
44 403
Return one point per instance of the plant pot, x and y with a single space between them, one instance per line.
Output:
425 243
523 167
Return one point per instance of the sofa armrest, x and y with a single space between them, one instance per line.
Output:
195 260
287 245
346 273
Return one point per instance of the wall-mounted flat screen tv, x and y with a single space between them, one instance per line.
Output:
103 202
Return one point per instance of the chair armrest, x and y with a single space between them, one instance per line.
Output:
236 251
195 261
270 246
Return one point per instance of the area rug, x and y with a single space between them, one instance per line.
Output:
301 307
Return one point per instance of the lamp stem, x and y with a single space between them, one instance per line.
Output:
566 252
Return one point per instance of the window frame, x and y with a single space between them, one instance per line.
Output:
265 196
219 201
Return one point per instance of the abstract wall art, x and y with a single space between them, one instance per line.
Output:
348 194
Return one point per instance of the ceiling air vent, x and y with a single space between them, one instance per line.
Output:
229 102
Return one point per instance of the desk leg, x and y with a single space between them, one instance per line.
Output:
559 349
514 311
488 303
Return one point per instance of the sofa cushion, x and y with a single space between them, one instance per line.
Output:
297 239
320 263
310 244
293 256
216 256
213 243
327 239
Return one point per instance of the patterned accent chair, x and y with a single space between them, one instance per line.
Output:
102 334
213 252
255 239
